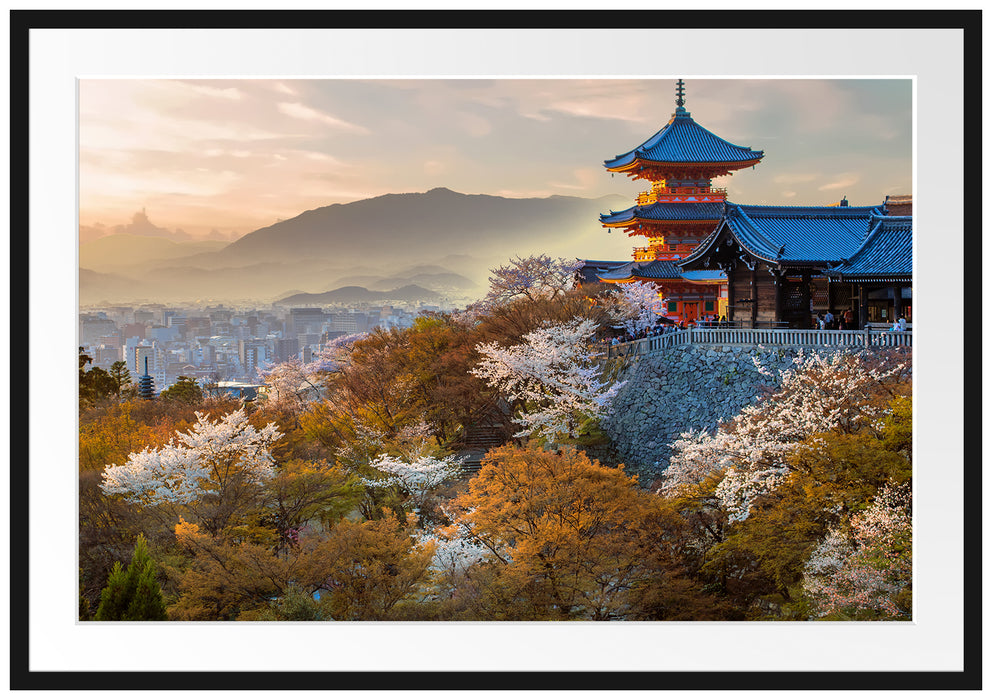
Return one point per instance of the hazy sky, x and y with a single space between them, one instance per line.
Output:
236 155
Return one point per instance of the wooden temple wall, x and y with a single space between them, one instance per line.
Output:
765 297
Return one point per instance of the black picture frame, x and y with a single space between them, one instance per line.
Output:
22 23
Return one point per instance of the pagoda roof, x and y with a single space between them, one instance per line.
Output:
683 141
657 270
620 273
784 236
886 255
591 269
665 211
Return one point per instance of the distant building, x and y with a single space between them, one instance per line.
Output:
137 359
285 348
92 327
306 320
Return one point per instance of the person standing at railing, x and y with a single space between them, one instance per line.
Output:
848 320
900 325
828 320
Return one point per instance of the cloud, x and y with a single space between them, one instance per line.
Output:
300 111
473 124
846 180
434 167
585 179
791 178
224 93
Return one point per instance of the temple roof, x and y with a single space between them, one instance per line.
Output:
591 269
886 255
683 141
818 236
665 211
657 270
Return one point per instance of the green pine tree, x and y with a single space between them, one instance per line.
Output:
132 593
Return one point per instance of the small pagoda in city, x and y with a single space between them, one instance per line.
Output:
679 209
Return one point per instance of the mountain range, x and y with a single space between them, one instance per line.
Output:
441 241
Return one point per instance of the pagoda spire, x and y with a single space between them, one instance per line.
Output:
680 110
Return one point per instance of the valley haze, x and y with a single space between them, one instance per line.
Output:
431 246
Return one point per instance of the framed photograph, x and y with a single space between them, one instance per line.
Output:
223 143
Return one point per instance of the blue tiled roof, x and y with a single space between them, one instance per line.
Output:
800 234
666 211
620 272
887 253
682 140
703 275
659 270
656 270
819 236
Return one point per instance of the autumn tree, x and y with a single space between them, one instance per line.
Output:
185 390
359 571
94 384
572 538
132 594
121 377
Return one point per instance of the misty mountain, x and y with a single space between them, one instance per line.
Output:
437 281
120 252
422 226
441 241
354 295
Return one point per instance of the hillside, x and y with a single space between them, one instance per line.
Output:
356 295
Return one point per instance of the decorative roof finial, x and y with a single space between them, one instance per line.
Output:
680 94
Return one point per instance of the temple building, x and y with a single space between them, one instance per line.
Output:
753 265
679 208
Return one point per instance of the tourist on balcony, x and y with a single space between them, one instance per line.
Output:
828 320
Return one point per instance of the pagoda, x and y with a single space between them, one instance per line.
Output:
678 210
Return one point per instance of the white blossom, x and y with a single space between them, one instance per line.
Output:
417 476
864 566
817 395
554 373
532 277
195 464
297 383
456 549
636 306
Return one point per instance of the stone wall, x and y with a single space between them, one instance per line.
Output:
691 387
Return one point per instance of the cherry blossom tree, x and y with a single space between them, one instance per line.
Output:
210 470
636 306
533 277
817 395
415 468
295 383
865 568
418 477
553 374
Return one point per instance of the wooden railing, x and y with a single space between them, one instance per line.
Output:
763 336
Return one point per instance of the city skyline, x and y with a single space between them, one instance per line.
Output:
220 158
